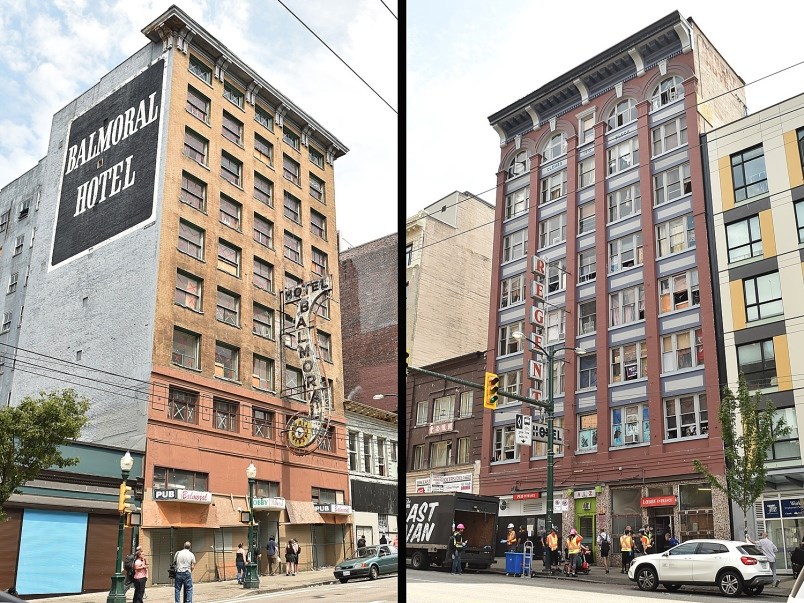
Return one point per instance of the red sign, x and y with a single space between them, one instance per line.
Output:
658 501
526 495
436 428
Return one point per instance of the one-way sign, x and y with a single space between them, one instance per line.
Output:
523 429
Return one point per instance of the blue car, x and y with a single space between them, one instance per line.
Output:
368 562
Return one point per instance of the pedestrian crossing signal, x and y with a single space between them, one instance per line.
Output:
490 391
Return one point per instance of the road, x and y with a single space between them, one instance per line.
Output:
382 590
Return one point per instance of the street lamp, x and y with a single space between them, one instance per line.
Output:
117 593
252 579
381 396
551 354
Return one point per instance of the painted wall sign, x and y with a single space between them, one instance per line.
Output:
419 524
658 501
108 182
436 428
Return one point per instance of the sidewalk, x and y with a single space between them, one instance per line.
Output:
598 575
211 591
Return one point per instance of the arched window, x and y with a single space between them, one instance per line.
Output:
556 147
624 112
518 165
666 92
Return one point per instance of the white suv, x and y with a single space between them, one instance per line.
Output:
733 567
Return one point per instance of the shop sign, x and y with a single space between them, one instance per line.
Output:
658 501
334 509
526 495
772 510
182 495
459 482
272 502
792 507
436 428
561 505
584 493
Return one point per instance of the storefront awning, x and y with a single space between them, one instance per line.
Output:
303 512
227 509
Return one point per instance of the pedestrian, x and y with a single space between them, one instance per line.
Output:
521 538
604 544
361 542
396 541
637 543
185 562
769 549
552 546
455 548
797 558
128 568
647 541
291 557
240 562
574 548
383 539
271 551
538 548
626 549
669 540
510 541
140 576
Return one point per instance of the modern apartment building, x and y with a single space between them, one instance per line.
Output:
755 188
185 236
601 177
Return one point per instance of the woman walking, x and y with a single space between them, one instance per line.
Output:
140 576
240 562
291 557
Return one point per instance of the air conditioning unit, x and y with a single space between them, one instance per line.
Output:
632 438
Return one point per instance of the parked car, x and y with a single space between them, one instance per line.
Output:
797 592
734 567
368 562
8 597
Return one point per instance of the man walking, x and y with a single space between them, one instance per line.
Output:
185 562
574 549
626 548
456 544
604 545
769 549
510 541
552 549
272 551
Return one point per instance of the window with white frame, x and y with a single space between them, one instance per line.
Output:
263 150
558 379
188 290
6 322
353 451
263 275
196 146
232 94
508 344
232 129
324 345
510 382
553 187
228 258
319 261
799 205
624 202
666 92
227 361
785 448
749 174
587 265
382 464
230 212
368 457
556 146
292 208
586 317
682 350
586 172
464 451
586 128
318 188
318 226
744 239
553 230
418 457
539 449
263 117
586 218
421 413
467 403
292 247
227 308
757 361
556 275
519 164
290 137
200 70
629 362
556 324
623 156
763 296
679 292
186 346
191 240
587 372
263 190
231 169
291 170
443 409
197 104
440 453
12 282
505 446
625 252
627 306
262 422
672 184
675 235
316 158
669 135
630 425
262 373
587 433
512 290
516 203
515 245
624 112
685 417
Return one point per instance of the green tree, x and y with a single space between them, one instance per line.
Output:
31 435
745 451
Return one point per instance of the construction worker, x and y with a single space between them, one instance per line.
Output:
647 541
511 540
552 549
626 548
574 548
456 545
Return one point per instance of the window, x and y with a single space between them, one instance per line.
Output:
682 350
512 291
519 164
182 405
324 345
556 146
418 457
670 135
231 169
225 413
292 248
587 270
464 451
292 208
293 380
230 212
12 282
316 158
587 372
193 192
627 306
625 253
515 245
227 308
624 202
290 137
197 104
586 172
200 69
763 296
467 404
262 423
226 361
553 230
679 292
317 188
624 112
352 450
587 433
291 170
393 451
263 231
188 291
443 409
6 322
675 236
508 344
749 174
228 258
586 127
4 220
510 382
685 416
381 462
19 243
586 218
263 275
757 361
263 150
232 94
421 413
672 184
744 239
191 240
196 147
629 362
262 373
505 446
232 129
263 190
623 156
666 92
176 478
586 317
554 187
785 448
440 453
319 259
799 220
185 348
318 226
557 275
630 425
517 203
263 321
368 465
323 496
262 117
556 324
539 449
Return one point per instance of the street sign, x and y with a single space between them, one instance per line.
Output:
523 429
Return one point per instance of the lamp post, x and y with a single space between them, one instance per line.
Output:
252 579
381 396
551 354
117 593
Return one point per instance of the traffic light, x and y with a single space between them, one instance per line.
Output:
490 391
126 493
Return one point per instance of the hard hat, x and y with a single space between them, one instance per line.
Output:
459 526
573 532
510 525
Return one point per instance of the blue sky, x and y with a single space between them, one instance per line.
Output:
53 50
467 59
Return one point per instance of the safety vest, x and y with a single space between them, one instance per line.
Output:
511 537
625 543
552 541
457 540
646 543
574 544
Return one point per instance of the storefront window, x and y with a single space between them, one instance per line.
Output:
660 490
784 522
625 511
696 512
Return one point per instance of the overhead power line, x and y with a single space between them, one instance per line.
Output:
389 10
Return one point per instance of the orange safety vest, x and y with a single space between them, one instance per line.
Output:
552 541
625 543
574 544
646 543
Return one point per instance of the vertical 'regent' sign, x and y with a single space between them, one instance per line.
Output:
108 178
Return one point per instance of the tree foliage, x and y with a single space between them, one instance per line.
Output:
745 449
31 435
